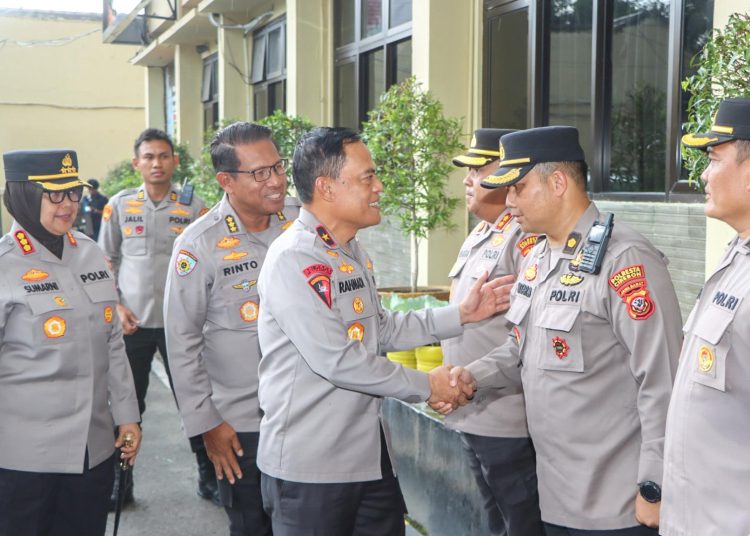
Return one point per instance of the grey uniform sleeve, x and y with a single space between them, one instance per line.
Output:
319 334
110 235
499 368
648 323
185 310
399 331
122 399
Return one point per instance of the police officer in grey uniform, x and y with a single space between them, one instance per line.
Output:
139 227
595 340
322 332
211 313
706 467
494 431
65 383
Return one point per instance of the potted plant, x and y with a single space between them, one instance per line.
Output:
412 142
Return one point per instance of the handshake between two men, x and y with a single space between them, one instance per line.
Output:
451 387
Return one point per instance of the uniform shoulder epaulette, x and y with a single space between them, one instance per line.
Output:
203 224
81 237
6 245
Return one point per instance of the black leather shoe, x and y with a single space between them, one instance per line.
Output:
208 488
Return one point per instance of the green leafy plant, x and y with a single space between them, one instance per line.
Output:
722 70
411 142
123 176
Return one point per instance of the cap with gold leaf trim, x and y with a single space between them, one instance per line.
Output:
732 122
484 148
52 169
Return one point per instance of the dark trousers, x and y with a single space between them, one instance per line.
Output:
141 347
56 504
374 508
242 500
639 530
505 471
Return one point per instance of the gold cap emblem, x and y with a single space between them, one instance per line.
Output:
502 152
67 165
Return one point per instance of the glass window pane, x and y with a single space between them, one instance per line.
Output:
276 97
206 82
346 95
375 76
259 58
507 93
275 52
640 43
372 17
402 57
343 22
570 68
260 107
400 12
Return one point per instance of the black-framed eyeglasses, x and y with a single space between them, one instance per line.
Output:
56 196
264 173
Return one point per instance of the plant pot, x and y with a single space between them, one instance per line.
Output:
429 357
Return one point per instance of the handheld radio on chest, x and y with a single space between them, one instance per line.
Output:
596 245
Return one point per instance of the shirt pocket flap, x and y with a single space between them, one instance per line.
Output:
101 291
518 309
558 317
713 323
44 303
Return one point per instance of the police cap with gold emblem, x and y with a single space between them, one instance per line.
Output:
52 169
483 148
524 149
732 122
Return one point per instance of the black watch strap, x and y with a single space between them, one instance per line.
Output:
650 491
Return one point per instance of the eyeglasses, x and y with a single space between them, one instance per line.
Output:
57 196
264 173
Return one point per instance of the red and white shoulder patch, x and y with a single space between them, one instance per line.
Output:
630 284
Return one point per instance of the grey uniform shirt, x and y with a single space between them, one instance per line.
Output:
596 355
211 313
706 490
497 248
322 333
138 237
65 381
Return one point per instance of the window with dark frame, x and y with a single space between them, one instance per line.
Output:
210 93
268 75
612 68
372 51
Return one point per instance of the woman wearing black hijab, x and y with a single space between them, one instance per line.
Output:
65 382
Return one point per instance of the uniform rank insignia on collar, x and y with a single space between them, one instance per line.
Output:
281 216
503 223
24 243
35 275
630 284
231 224
570 279
325 236
72 240
527 244
141 195
572 243
173 197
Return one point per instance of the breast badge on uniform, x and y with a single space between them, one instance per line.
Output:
127 231
561 347
249 311
134 210
630 284
139 229
234 255
35 275
369 265
227 242
179 212
24 243
134 203
530 273
527 244
575 264
185 262
107 212
358 305
570 279
59 300
356 332
245 285
333 254
108 314
346 268
705 360
325 236
498 239
54 327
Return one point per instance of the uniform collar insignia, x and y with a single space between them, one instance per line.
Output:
571 244
325 236
281 216
72 240
24 242
502 223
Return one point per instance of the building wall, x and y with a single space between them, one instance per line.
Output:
83 95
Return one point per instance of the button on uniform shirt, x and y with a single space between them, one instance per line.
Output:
497 248
65 381
211 313
138 235
323 333
596 355
706 487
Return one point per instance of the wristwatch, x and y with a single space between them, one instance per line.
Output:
650 490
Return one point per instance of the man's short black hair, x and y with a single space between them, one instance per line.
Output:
319 153
152 134
223 155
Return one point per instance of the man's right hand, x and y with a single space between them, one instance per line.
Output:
128 320
223 447
446 396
